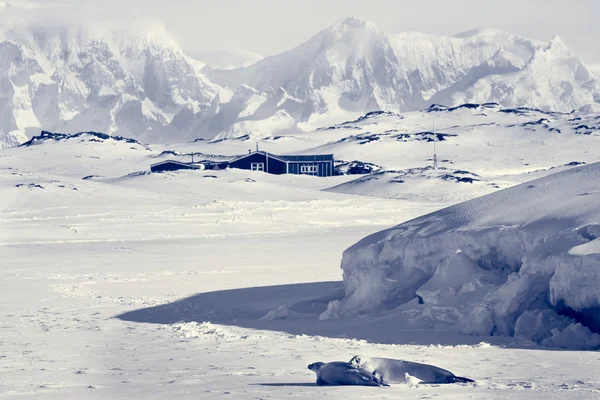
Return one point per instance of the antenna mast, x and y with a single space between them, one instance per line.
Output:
434 140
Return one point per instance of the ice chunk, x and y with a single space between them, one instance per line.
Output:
455 281
575 336
537 325
281 312
575 282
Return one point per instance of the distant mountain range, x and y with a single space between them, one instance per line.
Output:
72 78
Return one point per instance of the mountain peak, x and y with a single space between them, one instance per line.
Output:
353 23
157 34
558 48
557 43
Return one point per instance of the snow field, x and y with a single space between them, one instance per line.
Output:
210 284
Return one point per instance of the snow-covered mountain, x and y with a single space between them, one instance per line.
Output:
73 78
352 68
67 77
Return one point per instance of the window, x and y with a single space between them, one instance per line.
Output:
257 166
308 170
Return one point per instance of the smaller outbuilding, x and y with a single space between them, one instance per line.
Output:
172 165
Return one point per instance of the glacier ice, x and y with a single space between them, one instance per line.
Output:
521 270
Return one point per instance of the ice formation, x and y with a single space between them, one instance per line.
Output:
519 262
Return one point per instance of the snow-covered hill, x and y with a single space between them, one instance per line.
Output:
141 84
520 262
480 148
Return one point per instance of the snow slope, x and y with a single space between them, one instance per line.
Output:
520 262
139 83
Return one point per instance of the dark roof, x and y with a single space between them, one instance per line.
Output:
312 157
183 164
292 158
271 155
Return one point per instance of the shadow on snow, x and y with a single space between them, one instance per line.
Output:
306 301
299 384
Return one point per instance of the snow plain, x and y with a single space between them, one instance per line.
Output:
209 284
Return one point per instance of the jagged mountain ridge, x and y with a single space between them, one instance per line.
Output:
353 67
142 85
72 78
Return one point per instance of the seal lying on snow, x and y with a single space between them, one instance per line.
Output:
343 373
389 370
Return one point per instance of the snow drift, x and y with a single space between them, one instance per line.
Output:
521 262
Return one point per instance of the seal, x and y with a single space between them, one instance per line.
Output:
343 373
389 370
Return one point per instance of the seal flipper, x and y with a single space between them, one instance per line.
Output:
381 383
377 377
460 379
321 382
452 379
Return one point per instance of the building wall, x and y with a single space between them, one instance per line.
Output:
216 165
324 168
275 166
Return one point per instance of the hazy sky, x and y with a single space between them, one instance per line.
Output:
271 26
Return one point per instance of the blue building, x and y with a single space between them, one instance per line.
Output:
315 165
